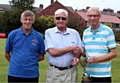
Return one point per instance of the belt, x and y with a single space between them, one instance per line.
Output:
61 68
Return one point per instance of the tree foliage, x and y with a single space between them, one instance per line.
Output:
11 20
22 4
44 22
108 24
1 21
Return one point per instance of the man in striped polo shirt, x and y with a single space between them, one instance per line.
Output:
100 46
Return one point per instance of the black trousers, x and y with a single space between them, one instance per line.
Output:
12 79
101 80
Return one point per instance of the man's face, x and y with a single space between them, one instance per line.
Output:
27 22
93 17
60 20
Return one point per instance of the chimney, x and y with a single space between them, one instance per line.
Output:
41 6
87 7
104 10
118 12
52 1
110 10
76 10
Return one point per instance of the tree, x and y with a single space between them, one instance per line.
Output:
1 22
73 23
44 22
12 17
108 24
11 20
22 4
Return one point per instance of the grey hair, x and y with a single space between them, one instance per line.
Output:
94 8
59 11
28 13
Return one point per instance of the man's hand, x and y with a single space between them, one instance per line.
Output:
77 51
92 60
75 61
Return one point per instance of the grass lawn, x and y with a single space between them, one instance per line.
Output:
44 65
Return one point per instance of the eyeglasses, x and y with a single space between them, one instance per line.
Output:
62 18
92 15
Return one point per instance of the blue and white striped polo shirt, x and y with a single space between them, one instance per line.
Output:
97 43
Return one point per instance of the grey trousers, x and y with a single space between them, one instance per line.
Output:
55 75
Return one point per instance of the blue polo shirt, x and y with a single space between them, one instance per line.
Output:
98 43
25 50
56 39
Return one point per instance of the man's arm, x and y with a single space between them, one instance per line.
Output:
7 56
41 57
112 54
61 51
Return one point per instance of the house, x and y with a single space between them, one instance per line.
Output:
57 5
39 9
104 11
1 10
5 7
104 19
110 12
107 16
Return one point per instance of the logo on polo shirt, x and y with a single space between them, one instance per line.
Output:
34 42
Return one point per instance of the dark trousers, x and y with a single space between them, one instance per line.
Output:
101 80
12 79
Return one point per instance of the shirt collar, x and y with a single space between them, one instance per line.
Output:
21 31
56 30
99 29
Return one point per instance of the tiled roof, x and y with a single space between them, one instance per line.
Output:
70 8
111 13
5 6
37 9
83 15
1 9
104 18
109 19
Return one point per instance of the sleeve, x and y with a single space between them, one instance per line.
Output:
79 40
111 40
8 45
42 46
48 40
83 44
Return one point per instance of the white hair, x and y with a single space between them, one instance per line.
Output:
59 11
94 8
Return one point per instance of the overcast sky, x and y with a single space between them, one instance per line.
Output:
79 4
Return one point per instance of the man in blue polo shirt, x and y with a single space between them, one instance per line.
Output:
100 46
24 49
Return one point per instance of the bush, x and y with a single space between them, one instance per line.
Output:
117 35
